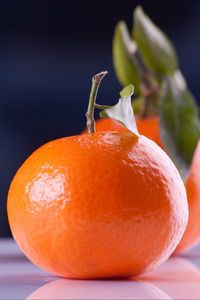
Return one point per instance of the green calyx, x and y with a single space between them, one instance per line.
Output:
123 110
147 58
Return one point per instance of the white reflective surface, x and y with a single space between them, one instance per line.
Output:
178 278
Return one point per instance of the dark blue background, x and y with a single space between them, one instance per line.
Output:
48 52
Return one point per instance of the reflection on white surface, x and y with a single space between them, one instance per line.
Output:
79 289
178 278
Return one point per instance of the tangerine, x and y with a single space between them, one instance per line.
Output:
98 205
148 127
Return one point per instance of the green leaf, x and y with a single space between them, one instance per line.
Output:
123 111
125 68
127 91
157 50
137 105
180 126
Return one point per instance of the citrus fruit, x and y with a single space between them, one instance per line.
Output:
98 205
150 128
192 234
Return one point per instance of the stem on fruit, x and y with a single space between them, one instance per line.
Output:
96 80
99 106
149 87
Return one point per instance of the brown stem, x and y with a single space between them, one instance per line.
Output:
96 80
